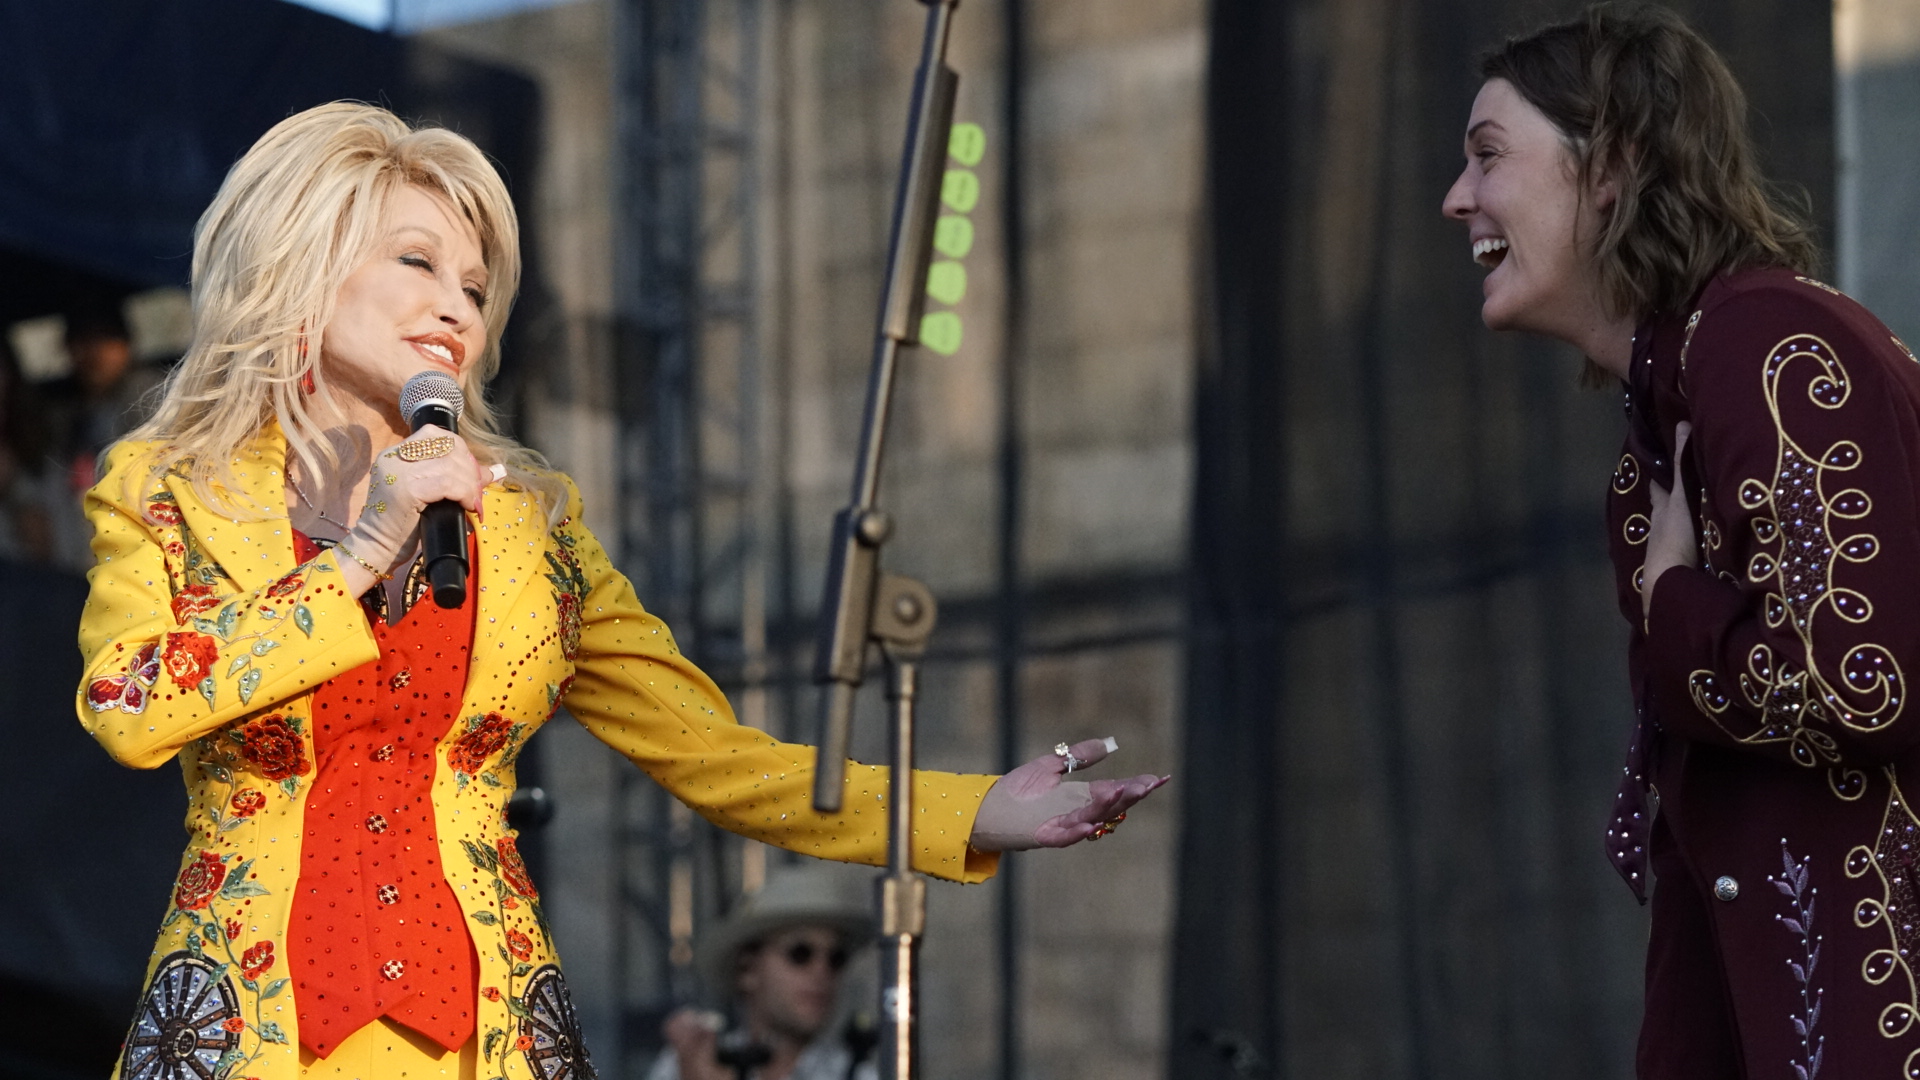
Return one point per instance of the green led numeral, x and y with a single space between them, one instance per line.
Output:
940 331
967 143
953 236
960 190
947 281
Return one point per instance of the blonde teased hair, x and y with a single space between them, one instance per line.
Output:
296 215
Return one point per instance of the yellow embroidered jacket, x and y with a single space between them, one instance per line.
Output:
204 642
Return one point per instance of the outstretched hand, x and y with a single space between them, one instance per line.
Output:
1035 805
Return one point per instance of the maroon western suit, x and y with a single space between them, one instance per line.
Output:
1771 687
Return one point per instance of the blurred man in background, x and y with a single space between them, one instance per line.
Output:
779 959
98 401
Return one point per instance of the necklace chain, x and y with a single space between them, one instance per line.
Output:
315 507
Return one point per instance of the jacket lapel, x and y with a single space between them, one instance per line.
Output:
253 553
512 557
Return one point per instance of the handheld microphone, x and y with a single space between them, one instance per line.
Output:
432 397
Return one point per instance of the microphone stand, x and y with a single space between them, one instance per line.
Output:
864 605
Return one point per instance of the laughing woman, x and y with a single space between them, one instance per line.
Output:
1765 529
351 902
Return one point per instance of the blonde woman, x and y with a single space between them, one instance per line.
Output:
351 901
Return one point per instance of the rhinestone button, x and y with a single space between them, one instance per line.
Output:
376 823
1725 888
393 969
385 753
389 894
401 678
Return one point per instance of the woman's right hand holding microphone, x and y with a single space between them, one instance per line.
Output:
430 465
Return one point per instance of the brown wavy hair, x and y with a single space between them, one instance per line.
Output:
1638 91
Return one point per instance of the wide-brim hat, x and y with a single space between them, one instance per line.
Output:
807 894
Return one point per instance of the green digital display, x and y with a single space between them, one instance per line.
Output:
940 330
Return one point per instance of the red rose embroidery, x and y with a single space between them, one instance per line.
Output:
200 881
519 944
569 606
247 802
287 586
233 929
189 657
491 993
272 744
163 511
257 959
523 1043
234 1024
514 869
193 600
176 549
470 751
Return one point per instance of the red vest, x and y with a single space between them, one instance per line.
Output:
376 930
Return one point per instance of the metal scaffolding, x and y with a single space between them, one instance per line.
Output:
693 482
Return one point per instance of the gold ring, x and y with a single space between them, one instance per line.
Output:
1065 754
425 449
1108 826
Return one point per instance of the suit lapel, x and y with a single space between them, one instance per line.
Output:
253 553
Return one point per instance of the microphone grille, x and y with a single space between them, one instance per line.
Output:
431 387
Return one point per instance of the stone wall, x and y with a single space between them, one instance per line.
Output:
1102 349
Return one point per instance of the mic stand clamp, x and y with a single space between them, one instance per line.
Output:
903 616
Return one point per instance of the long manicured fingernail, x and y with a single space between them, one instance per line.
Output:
1112 744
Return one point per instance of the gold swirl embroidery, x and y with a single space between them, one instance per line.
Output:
1779 690
1626 475
1892 859
1795 518
1636 528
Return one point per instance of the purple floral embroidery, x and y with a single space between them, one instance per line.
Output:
1792 884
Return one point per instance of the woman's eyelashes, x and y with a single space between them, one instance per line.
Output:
421 262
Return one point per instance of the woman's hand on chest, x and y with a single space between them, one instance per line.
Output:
1671 540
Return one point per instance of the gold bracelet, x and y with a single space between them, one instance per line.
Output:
378 575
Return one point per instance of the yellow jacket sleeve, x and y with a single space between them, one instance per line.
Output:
174 649
635 691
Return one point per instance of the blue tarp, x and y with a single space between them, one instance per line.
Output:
118 118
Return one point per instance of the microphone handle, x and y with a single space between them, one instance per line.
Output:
443 542
443 528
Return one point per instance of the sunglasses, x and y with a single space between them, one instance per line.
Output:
802 953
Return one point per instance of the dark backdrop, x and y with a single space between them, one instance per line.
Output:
1407 683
